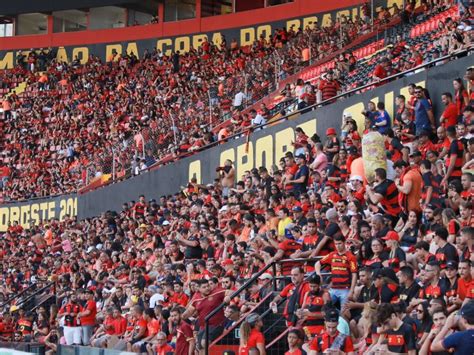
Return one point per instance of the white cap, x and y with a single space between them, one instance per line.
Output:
346 114
356 177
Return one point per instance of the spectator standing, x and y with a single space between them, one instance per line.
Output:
424 118
450 115
87 317
185 342
72 329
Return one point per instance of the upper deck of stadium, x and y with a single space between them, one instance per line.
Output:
25 24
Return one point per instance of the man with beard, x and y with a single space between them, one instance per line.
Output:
72 329
185 342
310 313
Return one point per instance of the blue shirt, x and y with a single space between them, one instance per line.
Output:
462 342
422 121
379 118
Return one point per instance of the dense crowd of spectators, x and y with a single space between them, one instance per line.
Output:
73 116
399 250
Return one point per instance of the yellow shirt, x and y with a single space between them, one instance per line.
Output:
282 225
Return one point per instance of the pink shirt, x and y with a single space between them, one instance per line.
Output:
320 162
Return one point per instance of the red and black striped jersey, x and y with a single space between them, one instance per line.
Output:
342 266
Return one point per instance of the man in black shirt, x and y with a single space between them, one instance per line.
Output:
409 289
399 336
446 251
368 292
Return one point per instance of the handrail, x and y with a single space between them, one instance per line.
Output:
11 298
242 317
322 103
52 283
245 286
163 162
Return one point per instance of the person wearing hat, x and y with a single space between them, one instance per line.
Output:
331 338
462 342
450 281
332 144
298 216
299 182
397 257
251 335
349 133
310 314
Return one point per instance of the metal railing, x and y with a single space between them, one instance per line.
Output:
31 298
345 94
274 284
16 296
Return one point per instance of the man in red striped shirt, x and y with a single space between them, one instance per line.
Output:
343 265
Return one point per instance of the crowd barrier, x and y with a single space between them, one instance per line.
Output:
264 147
87 350
13 348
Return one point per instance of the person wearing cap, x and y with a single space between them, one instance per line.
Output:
72 329
298 216
310 314
349 133
299 182
397 257
343 268
357 189
87 317
251 335
328 86
450 281
460 342
331 338
332 144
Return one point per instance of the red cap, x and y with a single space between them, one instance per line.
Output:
227 262
392 235
330 131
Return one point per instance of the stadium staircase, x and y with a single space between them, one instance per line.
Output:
275 327
31 298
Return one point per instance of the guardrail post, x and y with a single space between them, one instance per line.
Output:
206 347
274 276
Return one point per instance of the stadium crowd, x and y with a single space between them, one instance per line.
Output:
157 107
399 250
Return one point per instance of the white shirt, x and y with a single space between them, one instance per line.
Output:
258 120
239 98
157 298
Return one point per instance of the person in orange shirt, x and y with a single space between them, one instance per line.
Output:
409 186
153 327
7 108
